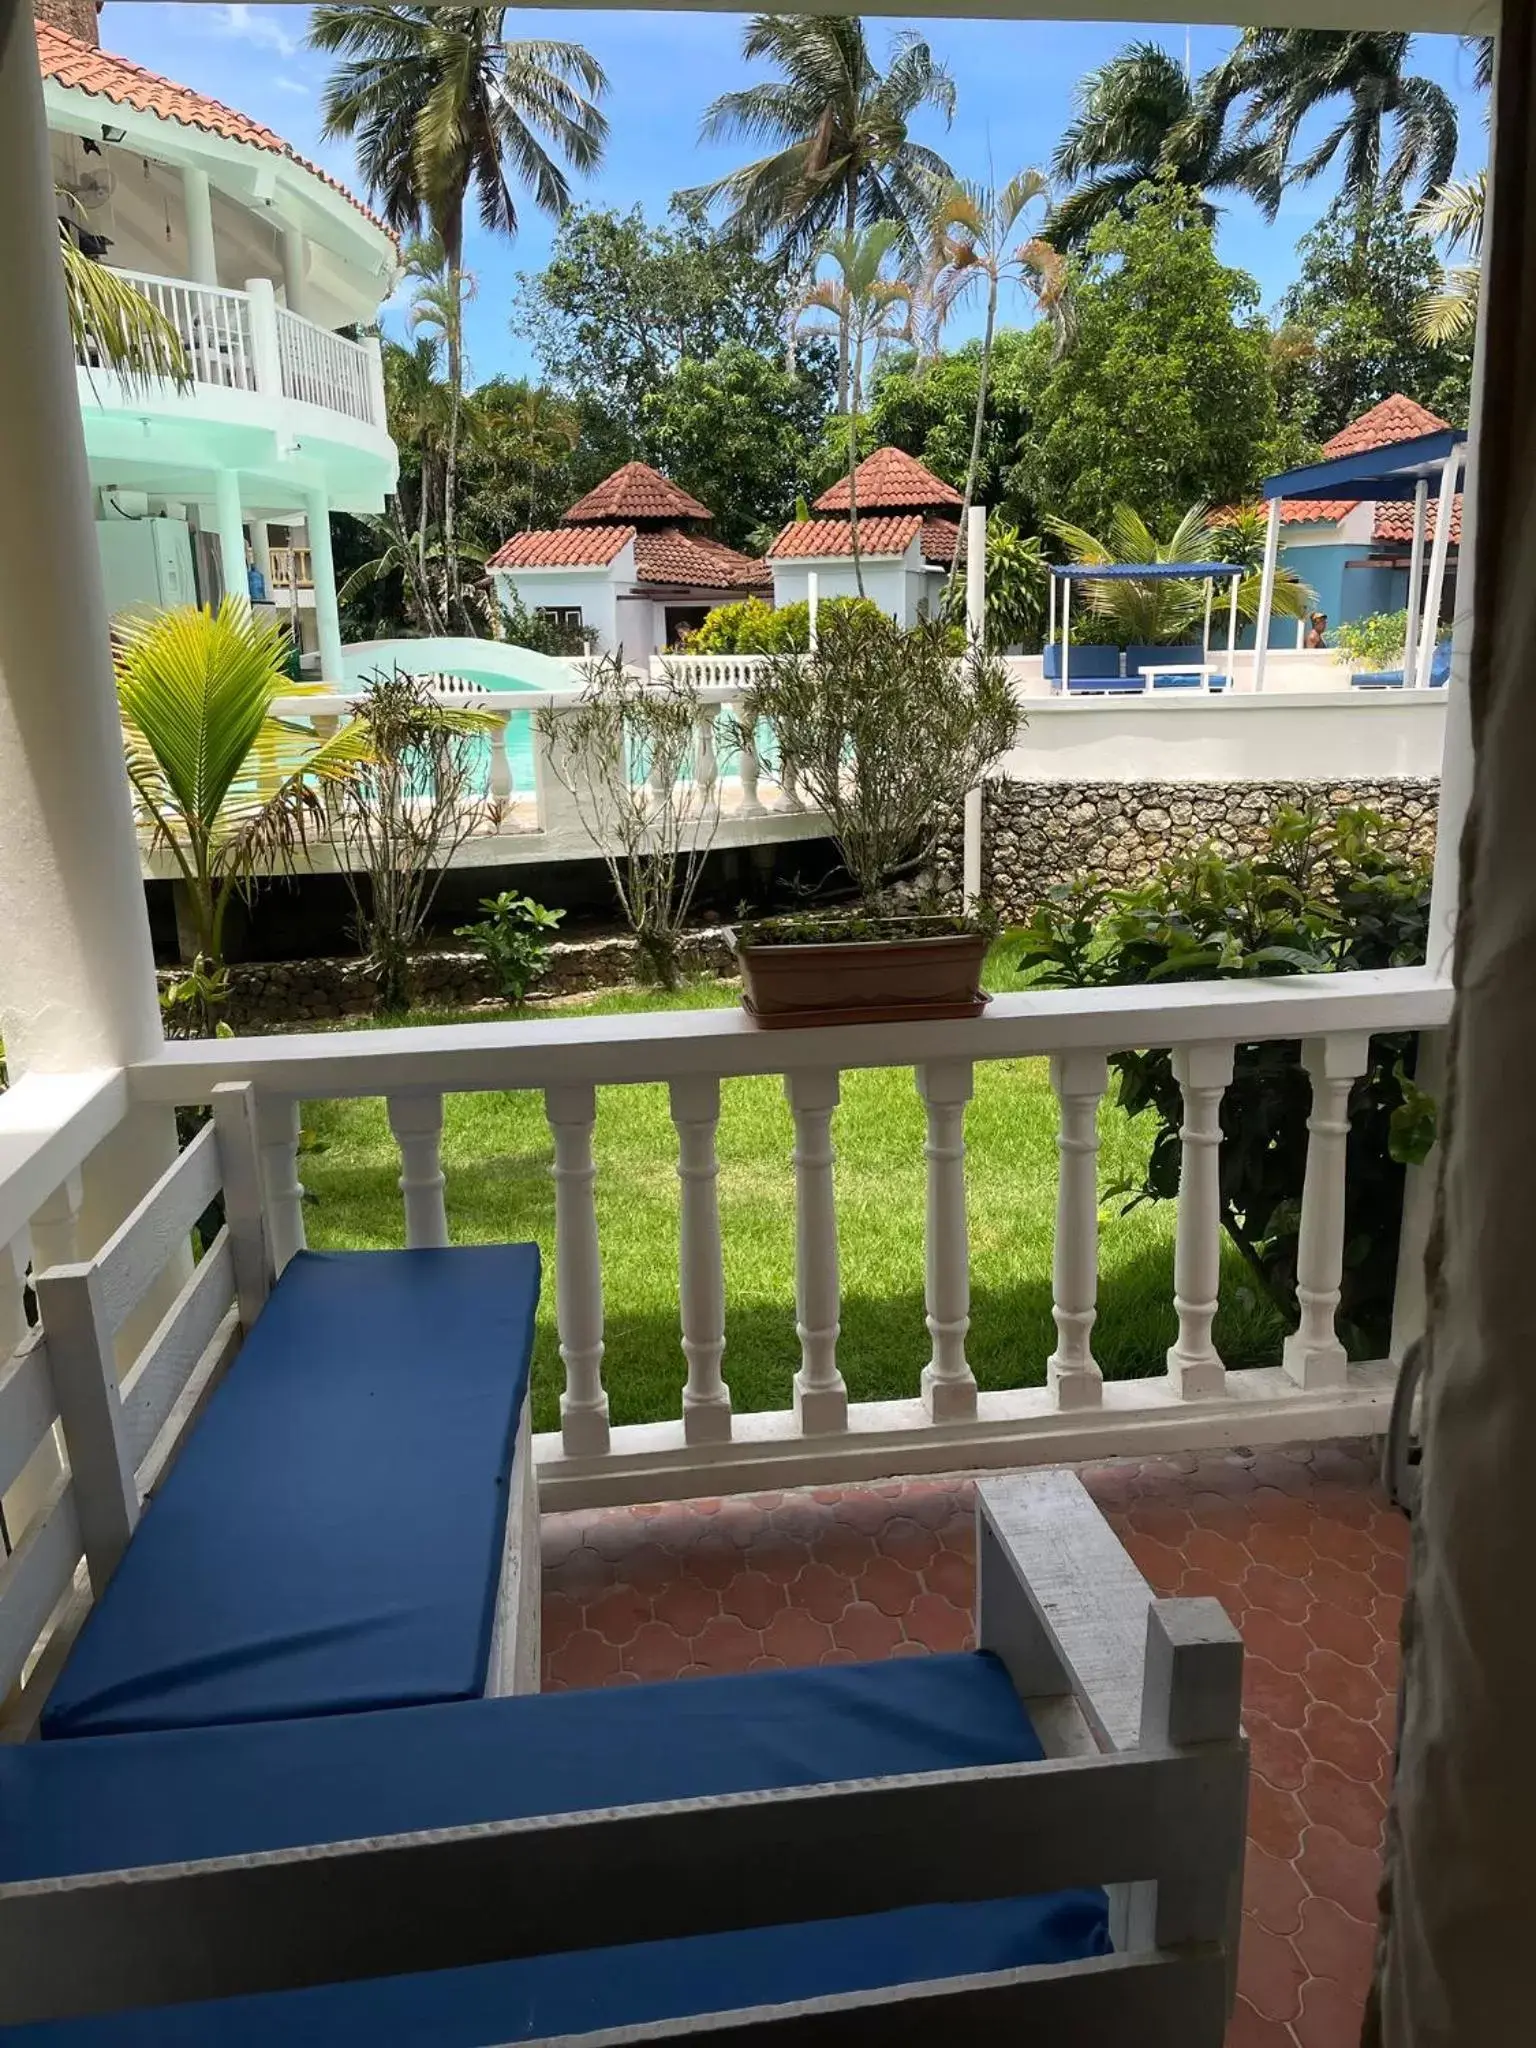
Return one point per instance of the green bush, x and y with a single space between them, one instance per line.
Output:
1322 896
752 626
1378 642
514 936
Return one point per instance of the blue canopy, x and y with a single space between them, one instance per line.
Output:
1376 474
1143 572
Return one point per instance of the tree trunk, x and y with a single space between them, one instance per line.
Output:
853 466
453 596
981 412
845 400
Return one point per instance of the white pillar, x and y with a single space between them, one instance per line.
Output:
202 257
77 985
949 1385
821 1399
1210 600
1050 607
498 786
1313 1355
1438 556
572 1111
976 574
748 768
417 1124
1266 591
295 287
377 398
266 352
231 530
1194 1364
1237 584
812 606
1416 577
317 523
277 1141
1072 1371
701 1270
1066 630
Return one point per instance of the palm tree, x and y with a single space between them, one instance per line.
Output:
1454 215
224 784
1150 613
441 292
973 231
870 309
1285 75
530 424
419 406
843 156
1139 119
442 105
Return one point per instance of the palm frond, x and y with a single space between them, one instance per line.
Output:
114 327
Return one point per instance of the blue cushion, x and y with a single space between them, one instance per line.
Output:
218 1791
330 1538
1084 661
1138 658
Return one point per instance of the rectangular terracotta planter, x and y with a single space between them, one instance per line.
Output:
868 981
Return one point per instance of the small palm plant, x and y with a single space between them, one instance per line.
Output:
1154 613
225 785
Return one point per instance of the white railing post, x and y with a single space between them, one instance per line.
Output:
821 1398
499 781
949 1385
266 362
701 1271
82 1362
277 1138
706 767
789 780
56 1225
1203 1073
1313 1355
572 1111
378 406
748 768
1072 1372
15 1257
417 1122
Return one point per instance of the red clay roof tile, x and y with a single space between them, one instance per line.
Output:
1396 419
674 557
890 480
1394 522
941 537
633 493
809 539
562 547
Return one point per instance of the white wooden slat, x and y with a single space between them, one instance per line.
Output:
35 1578
84 1367
234 1116
28 1408
189 1403
141 1246
162 1370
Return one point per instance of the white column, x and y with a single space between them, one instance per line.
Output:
976 574
417 1123
1072 1372
261 552
949 1385
231 530
747 769
1313 1355
377 398
1266 591
572 1112
1194 1364
1066 630
1210 601
202 257
266 357
295 264
1416 578
1232 634
277 1140
1438 556
1050 607
701 1270
77 985
812 606
317 526
821 1399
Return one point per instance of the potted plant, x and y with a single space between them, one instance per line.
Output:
888 728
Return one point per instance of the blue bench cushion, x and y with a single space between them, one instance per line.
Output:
1082 662
330 1538
223 1791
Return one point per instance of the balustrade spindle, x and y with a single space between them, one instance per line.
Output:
56 1226
1072 1372
277 1135
789 781
1203 1073
821 1398
499 781
417 1122
1313 1356
701 1271
748 769
572 1111
662 774
706 766
949 1385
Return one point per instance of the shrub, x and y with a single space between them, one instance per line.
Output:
1322 896
887 730
753 626
514 936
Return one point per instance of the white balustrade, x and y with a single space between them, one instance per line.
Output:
1072 1372
706 766
499 780
321 368
214 326
789 781
1313 1355
701 1268
748 768
948 1384
417 1124
277 1138
572 1111
1203 1073
821 1398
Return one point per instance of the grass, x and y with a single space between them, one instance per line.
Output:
496 1154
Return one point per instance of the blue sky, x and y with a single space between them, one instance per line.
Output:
1014 80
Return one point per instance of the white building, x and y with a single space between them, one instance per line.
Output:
908 533
627 566
261 263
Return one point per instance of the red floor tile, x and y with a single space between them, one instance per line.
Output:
1297 1543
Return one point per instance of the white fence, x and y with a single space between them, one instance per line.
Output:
214 326
324 369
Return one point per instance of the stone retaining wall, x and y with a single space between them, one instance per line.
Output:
1036 835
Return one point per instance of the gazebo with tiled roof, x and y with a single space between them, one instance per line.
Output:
908 534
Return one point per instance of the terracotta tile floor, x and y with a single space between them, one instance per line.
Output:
1298 1544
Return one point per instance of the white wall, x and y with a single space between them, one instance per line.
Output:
640 628
885 583
1347 736
594 590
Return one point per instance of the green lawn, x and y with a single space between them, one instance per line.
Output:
496 1153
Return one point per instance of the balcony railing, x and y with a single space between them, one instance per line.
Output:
291 568
245 341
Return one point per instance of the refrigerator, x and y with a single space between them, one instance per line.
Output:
145 563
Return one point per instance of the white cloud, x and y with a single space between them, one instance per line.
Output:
293 85
247 25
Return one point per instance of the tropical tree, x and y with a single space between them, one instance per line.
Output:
1139 119
1145 614
112 326
226 786
1453 215
441 290
973 232
1016 586
869 309
442 105
843 156
1286 75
